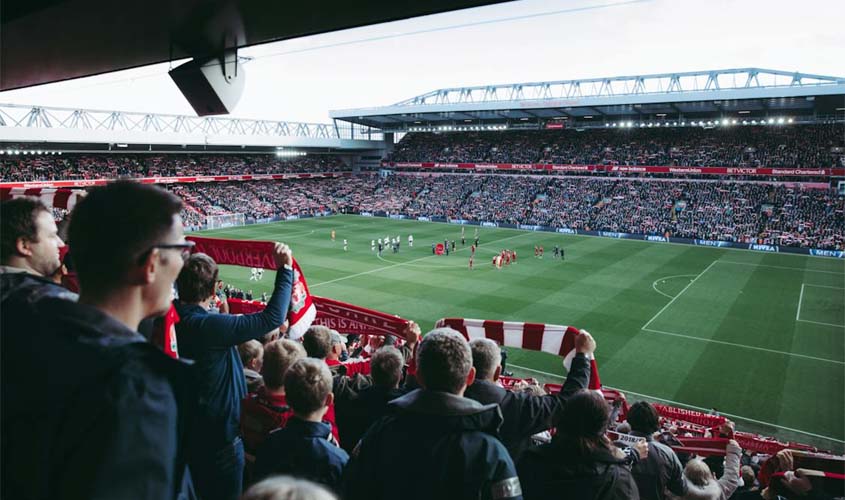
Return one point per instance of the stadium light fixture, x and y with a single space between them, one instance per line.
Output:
790 120
674 124
771 120
754 122
39 152
780 121
733 122
745 122
606 124
2 152
725 121
630 124
17 151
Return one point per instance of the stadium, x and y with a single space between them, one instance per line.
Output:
692 223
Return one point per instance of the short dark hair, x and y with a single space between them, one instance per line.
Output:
279 355
643 418
114 225
18 221
386 367
486 356
197 279
317 341
444 360
307 384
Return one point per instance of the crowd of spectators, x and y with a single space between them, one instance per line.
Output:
127 418
20 168
790 146
742 212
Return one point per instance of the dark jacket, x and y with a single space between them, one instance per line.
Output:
103 415
660 471
210 340
302 449
525 414
358 404
553 471
434 445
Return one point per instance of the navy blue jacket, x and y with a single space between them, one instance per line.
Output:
435 446
211 341
302 449
90 409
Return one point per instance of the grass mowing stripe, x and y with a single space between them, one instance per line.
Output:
744 346
780 267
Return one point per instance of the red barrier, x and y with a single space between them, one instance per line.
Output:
645 169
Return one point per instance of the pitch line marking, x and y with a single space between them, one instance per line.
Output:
820 323
779 267
371 271
654 284
678 403
679 294
823 286
800 299
744 346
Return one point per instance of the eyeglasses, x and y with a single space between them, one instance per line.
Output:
185 248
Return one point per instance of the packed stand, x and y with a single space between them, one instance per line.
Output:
793 146
115 166
741 212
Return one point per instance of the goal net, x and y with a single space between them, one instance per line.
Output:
225 220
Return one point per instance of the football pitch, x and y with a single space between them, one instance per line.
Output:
759 337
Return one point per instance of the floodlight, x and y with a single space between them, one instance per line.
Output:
724 121
790 120
733 122
771 120
780 120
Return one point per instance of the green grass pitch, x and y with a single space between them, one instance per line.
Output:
757 336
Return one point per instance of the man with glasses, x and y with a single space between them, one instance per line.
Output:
211 340
103 413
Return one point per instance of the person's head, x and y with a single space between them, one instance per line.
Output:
252 354
286 488
584 421
643 418
337 346
486 358
308 388
386 366
747 473
444 362
697 472
28 236
197 280
317 341
128 235
279 355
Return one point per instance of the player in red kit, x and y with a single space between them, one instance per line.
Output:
541 251
471 259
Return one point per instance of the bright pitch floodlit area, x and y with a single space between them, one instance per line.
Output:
758 336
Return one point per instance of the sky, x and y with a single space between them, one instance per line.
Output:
524 41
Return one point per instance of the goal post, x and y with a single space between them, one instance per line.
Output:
225 220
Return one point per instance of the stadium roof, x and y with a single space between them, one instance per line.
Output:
43 41
698 94
40 124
